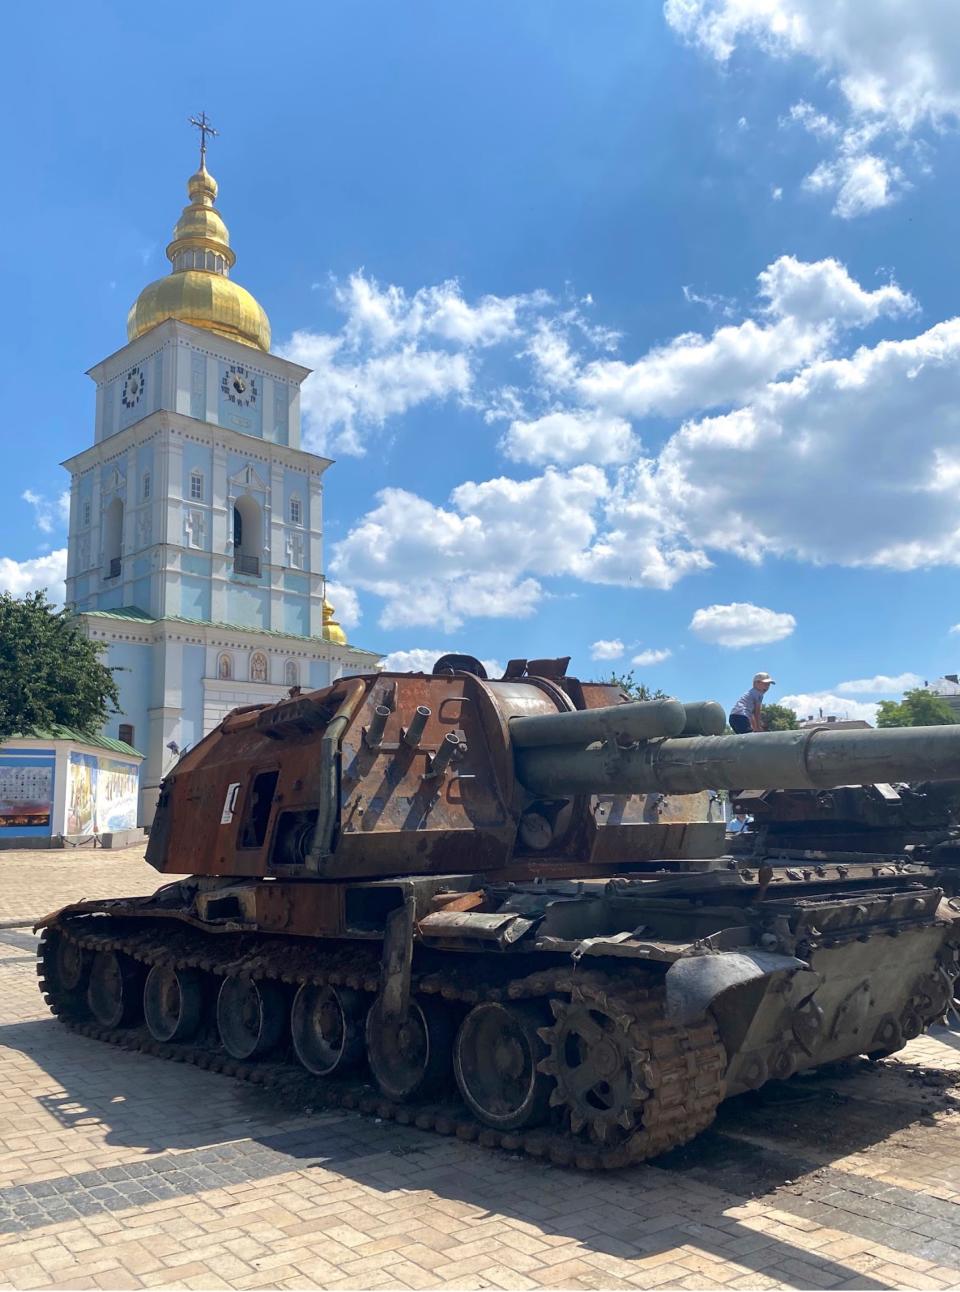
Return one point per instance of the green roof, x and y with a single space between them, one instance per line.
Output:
123 612
80 738
136 615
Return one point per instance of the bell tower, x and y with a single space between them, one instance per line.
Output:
195 548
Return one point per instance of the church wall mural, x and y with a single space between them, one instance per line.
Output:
102 794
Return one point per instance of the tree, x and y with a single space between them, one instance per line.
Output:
50 673
777 717
635 690
918 708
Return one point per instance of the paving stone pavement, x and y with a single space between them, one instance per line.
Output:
121 1171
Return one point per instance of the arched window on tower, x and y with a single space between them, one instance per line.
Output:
247 536
113 538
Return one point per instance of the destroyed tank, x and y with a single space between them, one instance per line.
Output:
504 909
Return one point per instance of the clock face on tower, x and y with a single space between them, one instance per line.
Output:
239 386
132 390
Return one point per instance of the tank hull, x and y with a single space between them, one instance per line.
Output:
643 1000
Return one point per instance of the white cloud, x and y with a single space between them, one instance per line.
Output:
815 704
741 624
396 351
345 395
49 513
777 413
384 316
439 565
862 182
569 437
612 648
345 602
899 61
49 571
802 306
763 479
897 67
882 684
822 291
421 660
555 361
648 657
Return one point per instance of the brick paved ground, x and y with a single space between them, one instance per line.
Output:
120 1171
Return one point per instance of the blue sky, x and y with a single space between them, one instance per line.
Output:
631 324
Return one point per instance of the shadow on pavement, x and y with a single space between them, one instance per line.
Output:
203 1131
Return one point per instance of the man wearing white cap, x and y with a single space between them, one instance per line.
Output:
745 714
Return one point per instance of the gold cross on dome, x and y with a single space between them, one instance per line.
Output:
205 128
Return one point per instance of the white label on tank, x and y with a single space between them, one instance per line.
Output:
230 803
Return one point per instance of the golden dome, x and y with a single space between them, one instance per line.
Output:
332 632
198 290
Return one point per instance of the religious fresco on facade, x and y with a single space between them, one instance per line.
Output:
81 793
102 794
26 791
118 791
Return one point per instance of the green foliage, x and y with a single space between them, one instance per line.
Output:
777 717
636 690
917 709
50 674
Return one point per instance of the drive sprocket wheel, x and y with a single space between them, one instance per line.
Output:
623 1072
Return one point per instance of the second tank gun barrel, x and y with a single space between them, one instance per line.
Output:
789 760
621 723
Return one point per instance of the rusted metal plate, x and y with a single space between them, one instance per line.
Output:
502 928
276 907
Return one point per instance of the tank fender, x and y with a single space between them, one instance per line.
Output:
695 982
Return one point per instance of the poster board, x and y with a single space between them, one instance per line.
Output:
102 794
81 794
118 793
26 791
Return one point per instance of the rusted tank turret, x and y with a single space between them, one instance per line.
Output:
505 907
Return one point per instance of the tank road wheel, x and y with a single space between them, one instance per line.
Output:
250 1016
495 1060
65 963
63 968
410 1056
172 1002
71 963
326 1025
624 1072
115 989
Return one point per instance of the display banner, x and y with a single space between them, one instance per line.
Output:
26 791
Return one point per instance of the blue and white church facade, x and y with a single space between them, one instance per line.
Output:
196 520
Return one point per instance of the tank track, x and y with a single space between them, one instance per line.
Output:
682 1068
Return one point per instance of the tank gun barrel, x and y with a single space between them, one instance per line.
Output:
638 720
622 723
814 759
